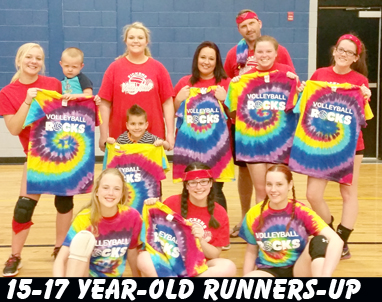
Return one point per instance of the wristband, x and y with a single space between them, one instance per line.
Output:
27 103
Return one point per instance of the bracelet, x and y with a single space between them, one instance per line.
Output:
27 103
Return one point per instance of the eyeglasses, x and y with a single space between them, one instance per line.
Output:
349 53
203 183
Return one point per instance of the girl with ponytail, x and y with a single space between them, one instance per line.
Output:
210 221
277 231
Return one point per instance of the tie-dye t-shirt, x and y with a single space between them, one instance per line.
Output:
167 237
115 236
61 152
264 130
278 248
326 136
143 167
203 136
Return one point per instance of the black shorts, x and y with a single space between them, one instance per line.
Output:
360 152
237 163
279 272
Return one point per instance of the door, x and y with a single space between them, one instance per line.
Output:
333 22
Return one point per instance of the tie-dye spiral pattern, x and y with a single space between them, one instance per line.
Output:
143 167
61 145
173 249
278 248
242 51
203 136
116 236
264 130
327 131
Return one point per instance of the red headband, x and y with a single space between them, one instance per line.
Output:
246 16
354 39
194 174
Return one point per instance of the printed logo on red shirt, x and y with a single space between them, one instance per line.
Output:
137 82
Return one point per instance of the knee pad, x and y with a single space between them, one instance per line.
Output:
24 209
63 204
317 247
82 246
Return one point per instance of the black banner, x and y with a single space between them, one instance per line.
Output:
213 289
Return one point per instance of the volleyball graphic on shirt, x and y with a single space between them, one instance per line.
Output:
203 135
61 146
263 130
279 247
168 238
137 82
143 167
331 116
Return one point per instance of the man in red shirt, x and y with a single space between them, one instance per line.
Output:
239 60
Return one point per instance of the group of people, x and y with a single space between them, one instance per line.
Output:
106 232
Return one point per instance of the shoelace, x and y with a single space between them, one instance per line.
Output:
11 260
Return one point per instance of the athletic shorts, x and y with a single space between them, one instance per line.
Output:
279 272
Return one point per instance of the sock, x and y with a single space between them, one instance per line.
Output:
344 233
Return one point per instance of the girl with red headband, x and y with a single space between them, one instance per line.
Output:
348 66
210 221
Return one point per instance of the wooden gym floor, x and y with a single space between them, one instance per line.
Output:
365 242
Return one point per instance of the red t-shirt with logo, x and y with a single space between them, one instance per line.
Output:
217 237
147 85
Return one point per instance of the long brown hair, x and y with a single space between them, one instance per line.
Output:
20 55
219 72
213 223
136 25
289 177
94 204
360 65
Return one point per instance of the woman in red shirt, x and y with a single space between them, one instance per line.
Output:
15 101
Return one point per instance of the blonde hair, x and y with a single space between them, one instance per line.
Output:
20 55
73 52
94 204
136 25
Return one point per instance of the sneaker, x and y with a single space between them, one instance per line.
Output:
345 253
226 248
55 251
12 266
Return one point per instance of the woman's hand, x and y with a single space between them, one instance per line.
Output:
291 75
183 94
235 79
197 231
366 92
220 93
97 100
110 140
31 94
301 87
171 141
151 201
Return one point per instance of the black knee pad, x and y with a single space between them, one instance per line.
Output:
63 204
317 247
24 209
